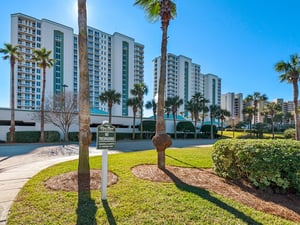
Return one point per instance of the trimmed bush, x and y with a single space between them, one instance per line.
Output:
265 163
34 136
185 126
205 129
149 125
289 133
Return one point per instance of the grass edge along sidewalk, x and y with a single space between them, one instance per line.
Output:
132 200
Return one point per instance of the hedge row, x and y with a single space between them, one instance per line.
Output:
34 136
265 163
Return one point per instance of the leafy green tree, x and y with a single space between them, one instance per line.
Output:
152 105
270 110
110 97
139 90
290 73
85 135
165 10
134 103
42 57
11 52
174 103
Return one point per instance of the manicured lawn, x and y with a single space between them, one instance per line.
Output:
133 201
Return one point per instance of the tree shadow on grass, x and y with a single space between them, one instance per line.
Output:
178 160
207 196
86 207
109 214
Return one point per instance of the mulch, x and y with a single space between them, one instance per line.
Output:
286 206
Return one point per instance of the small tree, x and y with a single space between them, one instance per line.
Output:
110 97
60 115
151 105
42 57
11 52
174 103
139 90
270 110
134 103
291 73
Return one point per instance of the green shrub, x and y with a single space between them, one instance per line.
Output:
149 125
185 126
289 133
34 136
266 163
205 129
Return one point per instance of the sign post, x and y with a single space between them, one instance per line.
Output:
106 138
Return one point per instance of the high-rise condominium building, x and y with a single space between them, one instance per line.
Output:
233 103
184 79
115 62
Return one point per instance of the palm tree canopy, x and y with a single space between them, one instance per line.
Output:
133 102
11 52
151 105
139 89
158 9
42 56
174 103
110 97
290 70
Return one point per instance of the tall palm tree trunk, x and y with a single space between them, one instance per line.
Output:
296 116
12 102
110 113
84 94
174 124
42 138
133 130
161 140
141 123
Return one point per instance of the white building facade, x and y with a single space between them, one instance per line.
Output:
115 62
233 103
184 79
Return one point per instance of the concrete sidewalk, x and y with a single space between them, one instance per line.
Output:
15 171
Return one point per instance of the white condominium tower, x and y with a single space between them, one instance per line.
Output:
184 79
233 103
115 62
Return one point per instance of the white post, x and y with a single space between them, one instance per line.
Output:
104 174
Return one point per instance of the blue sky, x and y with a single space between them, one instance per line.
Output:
240 41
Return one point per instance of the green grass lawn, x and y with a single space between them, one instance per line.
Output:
133 201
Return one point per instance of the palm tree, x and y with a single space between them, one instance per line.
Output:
214 109
255 99
165 10
110 97
221 114
197 104
271 109
204 109
151 105
134 103
139 90
194 111
174 103
248 111
11 52
42 57
85 135
290 73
